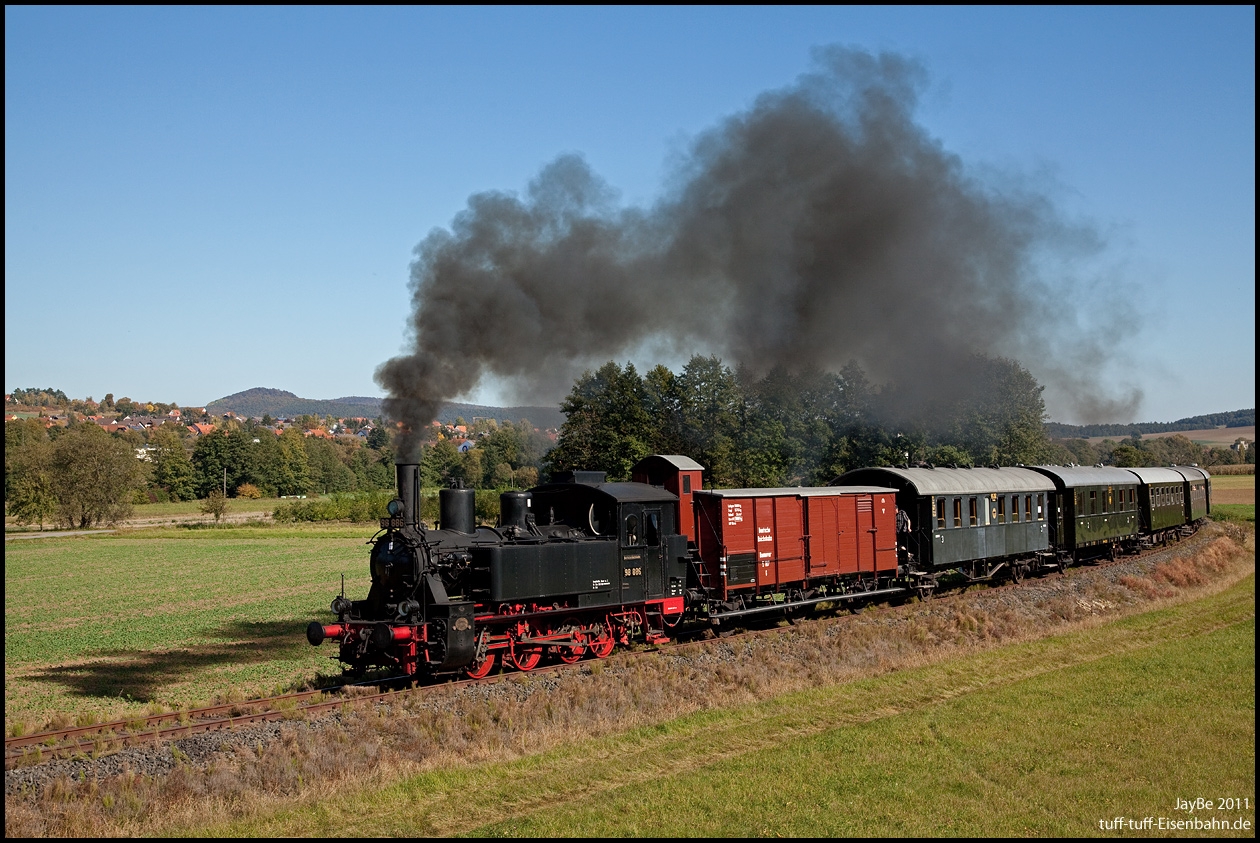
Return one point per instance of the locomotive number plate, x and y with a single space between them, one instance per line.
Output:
392 523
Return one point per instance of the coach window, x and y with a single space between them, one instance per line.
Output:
940 513
1093 503
1015 508
1130 498
686 483
1041 507
971 510
957 512
1001 515
1028 508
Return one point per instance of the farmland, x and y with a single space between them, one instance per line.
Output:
985 716
1217 437
107 626
1234 489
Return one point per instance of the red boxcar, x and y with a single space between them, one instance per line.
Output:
773 540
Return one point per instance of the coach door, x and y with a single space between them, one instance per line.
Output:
634 552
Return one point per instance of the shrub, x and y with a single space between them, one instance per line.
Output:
248 490
361 507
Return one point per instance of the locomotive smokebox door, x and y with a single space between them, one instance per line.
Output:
452 639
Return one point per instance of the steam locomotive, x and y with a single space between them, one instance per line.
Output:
580 565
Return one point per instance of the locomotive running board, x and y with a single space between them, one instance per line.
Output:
778 607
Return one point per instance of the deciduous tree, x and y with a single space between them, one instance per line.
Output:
93 477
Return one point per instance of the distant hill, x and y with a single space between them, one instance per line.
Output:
279 403
1236 418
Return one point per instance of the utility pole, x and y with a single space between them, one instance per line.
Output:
225 482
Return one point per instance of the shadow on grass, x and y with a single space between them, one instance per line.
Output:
139 675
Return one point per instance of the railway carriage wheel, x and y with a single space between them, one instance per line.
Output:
1017 572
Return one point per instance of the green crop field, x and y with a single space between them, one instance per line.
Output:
1043 738
105 626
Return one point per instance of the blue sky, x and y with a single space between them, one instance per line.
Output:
201 201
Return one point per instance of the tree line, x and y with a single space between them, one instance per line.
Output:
780 428
786 428
80 475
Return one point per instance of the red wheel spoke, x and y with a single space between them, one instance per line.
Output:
480 670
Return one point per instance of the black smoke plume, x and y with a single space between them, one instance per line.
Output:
820 226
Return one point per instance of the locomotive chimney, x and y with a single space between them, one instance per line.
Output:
408 475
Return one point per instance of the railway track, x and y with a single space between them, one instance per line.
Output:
103 738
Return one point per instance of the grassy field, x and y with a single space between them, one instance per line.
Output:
1042 738
154 513
1233 489
106 625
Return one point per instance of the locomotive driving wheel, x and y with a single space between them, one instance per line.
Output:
572 653
525 657
602 640
480 669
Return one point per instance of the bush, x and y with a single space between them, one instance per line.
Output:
361 507
248 490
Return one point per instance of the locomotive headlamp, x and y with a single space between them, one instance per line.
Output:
394 507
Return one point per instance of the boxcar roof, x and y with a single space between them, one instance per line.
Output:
1151 474
1087 475
676 460
956 481
1192 472
802 491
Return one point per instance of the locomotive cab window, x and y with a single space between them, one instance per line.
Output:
632 530
652 528
599 521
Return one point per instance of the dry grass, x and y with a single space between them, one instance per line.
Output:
531 714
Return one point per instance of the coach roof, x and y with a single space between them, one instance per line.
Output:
1157 475
952 481
1192 472
1084 475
